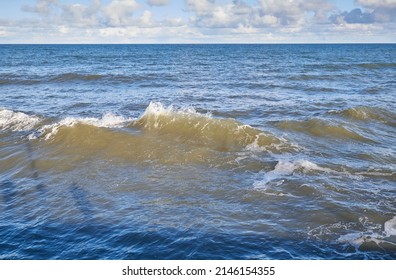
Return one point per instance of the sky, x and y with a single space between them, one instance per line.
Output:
197 21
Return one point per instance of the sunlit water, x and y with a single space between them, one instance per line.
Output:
198 152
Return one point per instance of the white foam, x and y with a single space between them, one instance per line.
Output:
390 227
356 239
158 109
108 120
372 232
254 146
17 121
285 168
282 145
271 180
282 168
310 166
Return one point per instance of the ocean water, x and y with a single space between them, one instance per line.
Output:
198 151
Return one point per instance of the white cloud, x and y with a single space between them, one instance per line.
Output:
80 15
347 27
3 32
63 29
44 7
174 22
293 11
200 7
244 29
146 19
266 13
141 35
120 12
210 14
269 20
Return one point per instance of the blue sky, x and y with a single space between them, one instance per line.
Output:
197 21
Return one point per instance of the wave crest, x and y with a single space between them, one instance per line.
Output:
364 113
321 128
17 121
190 126
108 120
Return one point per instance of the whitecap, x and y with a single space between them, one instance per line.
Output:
390 227
107 120
17 121
358 233
286 168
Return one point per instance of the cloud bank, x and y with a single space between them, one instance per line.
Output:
260 21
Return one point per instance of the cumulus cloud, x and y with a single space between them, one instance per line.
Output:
201 7
212 15
120 12
294 12
44 7
80 15
373 11
146 20
265 13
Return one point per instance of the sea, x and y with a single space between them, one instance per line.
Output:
284 151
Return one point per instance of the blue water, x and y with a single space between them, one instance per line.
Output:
198 151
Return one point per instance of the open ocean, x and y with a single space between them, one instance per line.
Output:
198 151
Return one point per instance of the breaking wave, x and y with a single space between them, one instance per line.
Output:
50 130
17 121
179 125
162 134
202 129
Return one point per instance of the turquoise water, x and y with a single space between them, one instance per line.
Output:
197 151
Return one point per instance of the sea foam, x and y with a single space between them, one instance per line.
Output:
380 238
286 168
390 227
17 121
107 120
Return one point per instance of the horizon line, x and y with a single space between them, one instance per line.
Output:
218 43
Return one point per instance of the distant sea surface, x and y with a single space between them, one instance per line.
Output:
198 151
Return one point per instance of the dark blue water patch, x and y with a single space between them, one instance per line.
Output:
87 78
97 241
9 193
89 239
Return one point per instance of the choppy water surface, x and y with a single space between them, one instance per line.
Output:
197 151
